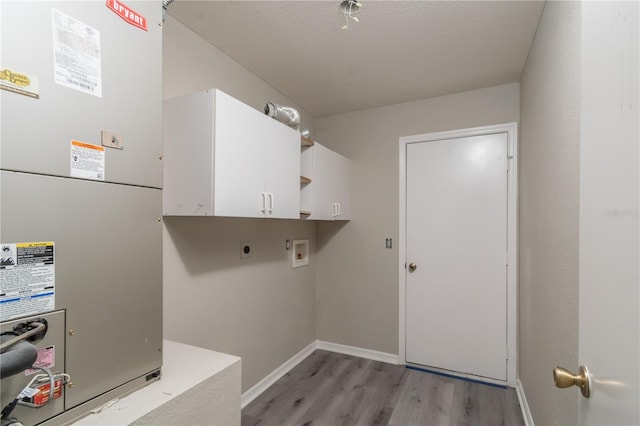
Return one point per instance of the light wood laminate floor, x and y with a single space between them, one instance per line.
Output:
328 389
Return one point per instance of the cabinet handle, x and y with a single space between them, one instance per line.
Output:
339 209
270 202
335 209
264 202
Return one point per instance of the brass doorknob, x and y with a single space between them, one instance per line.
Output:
412 267
565 379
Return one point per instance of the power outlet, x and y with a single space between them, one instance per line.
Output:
245 249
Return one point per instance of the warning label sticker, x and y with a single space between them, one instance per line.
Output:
46 358
27 279
76 54
87 161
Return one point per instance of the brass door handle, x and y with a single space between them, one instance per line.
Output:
563 378
412 267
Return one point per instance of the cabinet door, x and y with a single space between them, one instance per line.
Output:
188 155
341 185
322 191
240 152
283 170
332 183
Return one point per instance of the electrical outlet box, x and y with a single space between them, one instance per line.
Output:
245 249
300 253
112 140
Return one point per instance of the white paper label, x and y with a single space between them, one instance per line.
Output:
46 358
28 392
76 54
27 279
87 161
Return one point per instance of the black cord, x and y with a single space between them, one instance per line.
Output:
9 408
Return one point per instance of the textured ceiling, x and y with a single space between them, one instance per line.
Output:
399 51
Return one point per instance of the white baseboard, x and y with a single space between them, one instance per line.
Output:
524 406
359 352
276 374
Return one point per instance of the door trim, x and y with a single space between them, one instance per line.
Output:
511 129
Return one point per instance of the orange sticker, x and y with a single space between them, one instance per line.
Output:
87 145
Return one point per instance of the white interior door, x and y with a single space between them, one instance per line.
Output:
609 343
456 235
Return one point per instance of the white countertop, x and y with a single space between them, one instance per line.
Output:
183 366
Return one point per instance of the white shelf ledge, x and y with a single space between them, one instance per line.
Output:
184 367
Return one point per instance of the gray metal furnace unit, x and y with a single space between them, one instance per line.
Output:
80 188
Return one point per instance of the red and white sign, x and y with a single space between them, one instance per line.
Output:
128 14
44 393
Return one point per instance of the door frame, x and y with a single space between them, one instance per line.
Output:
511 129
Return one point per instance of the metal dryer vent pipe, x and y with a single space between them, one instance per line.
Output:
284 114
165 4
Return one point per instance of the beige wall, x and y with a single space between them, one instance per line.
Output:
257 308
356 277
190 64
549 202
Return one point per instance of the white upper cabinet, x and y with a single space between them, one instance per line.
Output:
331 185
224 158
